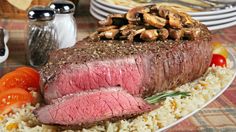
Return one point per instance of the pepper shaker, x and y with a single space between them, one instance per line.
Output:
64 22
41 35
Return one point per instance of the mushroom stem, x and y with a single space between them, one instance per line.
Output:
111 34
163 33
134 33
103 29
191 33
176 34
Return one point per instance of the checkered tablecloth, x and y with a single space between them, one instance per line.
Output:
220 115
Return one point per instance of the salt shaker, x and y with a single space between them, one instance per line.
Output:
41 35
64 22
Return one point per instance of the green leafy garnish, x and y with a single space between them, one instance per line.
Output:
162 96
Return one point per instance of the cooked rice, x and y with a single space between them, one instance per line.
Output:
172 109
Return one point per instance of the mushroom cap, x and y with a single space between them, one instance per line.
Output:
134 13
148 23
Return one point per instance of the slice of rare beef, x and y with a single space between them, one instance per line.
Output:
88 108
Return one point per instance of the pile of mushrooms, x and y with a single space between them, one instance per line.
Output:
147 23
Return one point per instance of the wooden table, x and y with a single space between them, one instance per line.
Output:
220 115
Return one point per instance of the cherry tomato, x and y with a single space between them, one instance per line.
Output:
218 60
14 98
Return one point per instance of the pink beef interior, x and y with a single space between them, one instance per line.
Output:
90 107
127 73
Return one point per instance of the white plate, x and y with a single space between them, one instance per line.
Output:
97 16
221 21
207 13
209 20
120 8
232 58
216 27
105 8
215 17
112 5
98 11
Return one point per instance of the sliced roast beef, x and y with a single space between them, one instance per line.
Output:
148 53
87 108
141 68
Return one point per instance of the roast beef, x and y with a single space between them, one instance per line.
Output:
141 68
147 50
87 108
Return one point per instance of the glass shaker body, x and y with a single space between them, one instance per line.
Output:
64 22
66 29
41 40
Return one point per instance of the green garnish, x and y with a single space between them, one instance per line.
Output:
162 96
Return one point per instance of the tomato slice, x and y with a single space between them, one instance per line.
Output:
32 73
28 70
16 79
13 98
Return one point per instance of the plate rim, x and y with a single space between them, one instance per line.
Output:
202 13
232 58
215 17
221 26
98 10
220 21
211 13
94 14
110 10
200 18
113 6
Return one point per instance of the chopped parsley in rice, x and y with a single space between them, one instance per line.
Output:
172 109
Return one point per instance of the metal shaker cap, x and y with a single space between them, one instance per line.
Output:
62 6
41 13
